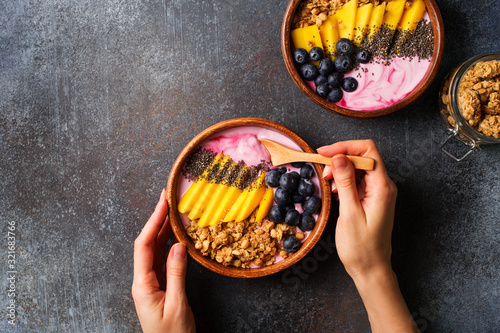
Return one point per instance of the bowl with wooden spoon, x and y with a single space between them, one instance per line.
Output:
237 213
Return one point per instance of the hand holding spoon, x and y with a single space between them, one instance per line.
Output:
283 155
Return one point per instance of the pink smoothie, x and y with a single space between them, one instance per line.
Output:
380 86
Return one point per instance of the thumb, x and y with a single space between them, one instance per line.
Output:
345 180
176 271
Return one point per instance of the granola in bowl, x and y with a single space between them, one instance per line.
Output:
243 244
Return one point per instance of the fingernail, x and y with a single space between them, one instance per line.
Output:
340 162
333 186
179 251
162 197
326 171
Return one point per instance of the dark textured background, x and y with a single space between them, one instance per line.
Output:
97 98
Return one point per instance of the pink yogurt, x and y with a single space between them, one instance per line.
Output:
242 144
380 86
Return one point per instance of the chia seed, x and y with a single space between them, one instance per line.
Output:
219 175
197 162
254 173
380 43
387 44
418 43
227 174
233 177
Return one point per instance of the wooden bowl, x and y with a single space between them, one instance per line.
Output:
286 48
178 226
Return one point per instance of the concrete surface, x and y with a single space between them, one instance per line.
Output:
97 98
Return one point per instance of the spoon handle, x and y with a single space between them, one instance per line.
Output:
360 163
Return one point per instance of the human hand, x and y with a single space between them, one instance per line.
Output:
366 209
363 233
159 296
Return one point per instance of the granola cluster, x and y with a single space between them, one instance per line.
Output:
316 12
479 97
242 244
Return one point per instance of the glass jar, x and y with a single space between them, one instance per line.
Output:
466 131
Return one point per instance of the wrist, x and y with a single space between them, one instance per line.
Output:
382 274
367 270
384 303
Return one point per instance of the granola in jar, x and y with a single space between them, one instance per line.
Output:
478 98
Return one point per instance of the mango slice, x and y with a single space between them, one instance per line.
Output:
362 22
412 16
208 191
265 205
219 192
229 198
253 199
376 20
346 18
394 11
238 204
191 196
307 37
329 32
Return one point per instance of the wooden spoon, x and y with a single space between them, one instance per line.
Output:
283 155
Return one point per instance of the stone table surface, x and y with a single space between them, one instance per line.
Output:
97 99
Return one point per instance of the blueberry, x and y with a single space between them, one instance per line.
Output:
335 95
295 173
307 171
349 84
306 187
306 222
276 214
326 66
344 46
298 164
316 53
273 178
282 170
288 207
312 205
297 198
282 197
291 244
343 64
288 182
308 72
321 79
335 79
300 56
322 90
363 56
292 217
